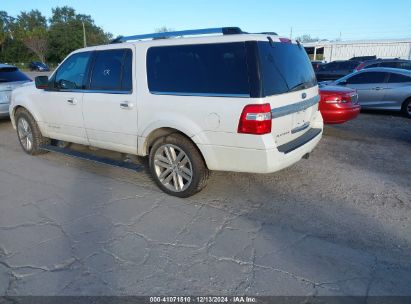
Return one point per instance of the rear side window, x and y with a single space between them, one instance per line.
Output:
71 74
396 78
112 70
390 64
405 65
374 65
202 69
368 77
10 74
348 65
285 67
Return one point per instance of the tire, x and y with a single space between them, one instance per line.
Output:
177 166
29 134
406 108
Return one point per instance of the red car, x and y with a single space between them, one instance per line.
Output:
338 104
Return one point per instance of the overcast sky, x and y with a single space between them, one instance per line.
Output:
354 19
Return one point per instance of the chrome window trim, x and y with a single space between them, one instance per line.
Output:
96 91
295 107
201 94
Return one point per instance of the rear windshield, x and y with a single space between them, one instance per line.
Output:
12 74
285 67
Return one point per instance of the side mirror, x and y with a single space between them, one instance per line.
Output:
42 82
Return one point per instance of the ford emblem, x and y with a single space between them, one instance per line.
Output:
304 95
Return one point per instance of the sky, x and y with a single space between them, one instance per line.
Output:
331 19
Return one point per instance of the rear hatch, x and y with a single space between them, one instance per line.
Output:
10 78
290 86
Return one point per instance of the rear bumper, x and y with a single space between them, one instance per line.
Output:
340 115
4 110
223 158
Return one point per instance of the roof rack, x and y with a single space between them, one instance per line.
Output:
219 30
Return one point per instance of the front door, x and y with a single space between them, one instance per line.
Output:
109 102
62 103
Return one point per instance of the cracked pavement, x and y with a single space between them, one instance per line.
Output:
336 224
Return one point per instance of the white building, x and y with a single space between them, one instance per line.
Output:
343 50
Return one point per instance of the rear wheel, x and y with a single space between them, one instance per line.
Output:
177 166
29 134
406 108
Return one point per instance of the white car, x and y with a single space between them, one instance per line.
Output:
213 99
10 78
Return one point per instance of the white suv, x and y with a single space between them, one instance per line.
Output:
232 101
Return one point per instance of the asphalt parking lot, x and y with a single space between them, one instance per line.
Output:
335 224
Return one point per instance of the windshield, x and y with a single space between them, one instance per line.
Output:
285 67
11 74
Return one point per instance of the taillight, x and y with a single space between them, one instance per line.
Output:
335 98
360 66
255 119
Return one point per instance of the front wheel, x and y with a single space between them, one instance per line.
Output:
29 134
177 166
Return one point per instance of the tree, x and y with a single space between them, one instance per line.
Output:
31 29
5 21
66 32
307 38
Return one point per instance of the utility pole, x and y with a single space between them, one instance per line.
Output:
291 33
84 34
340 37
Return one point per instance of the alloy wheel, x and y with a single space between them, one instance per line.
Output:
25 134
173 168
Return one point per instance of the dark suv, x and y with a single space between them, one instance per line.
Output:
336 69
385 63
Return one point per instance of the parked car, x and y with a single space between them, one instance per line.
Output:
317 63
363 58
336 69
385 63
230 102
38 66
10 78
338 104
381 88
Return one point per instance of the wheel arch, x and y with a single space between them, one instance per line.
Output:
164 131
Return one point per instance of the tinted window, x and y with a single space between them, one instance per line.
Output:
369 77
72 72
10 74
405 65
394 78
390 64
199 69
285 67
330 66
374 65
112 70
348 65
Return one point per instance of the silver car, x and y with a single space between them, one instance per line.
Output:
10 78
381 88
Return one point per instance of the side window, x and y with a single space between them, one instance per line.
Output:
368 77
396 78
202 69
405 65
374 65
112 70
72 72
330 66
390 64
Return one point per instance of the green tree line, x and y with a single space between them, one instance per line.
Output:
30 36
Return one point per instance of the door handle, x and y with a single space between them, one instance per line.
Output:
126 105
378 88
72 101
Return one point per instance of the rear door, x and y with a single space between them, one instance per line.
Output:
394 95
370 87
109 102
